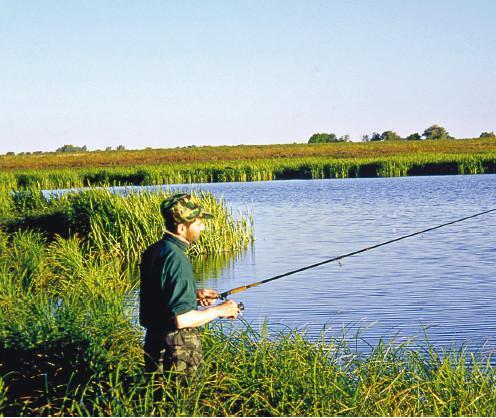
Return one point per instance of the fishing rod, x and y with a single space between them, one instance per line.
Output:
225 294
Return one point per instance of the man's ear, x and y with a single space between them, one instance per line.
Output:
181 228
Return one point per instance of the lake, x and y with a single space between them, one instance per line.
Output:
441 283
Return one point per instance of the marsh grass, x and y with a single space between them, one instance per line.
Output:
61 318
248 374
124 224
68 347
243 170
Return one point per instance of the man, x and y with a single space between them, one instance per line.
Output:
168 295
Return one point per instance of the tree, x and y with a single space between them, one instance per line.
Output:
487 135
344 138
390 136
120 148
414 137
365 138
375 136
71 148
436 132
321 138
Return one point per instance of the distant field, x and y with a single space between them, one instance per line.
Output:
207 154
248 163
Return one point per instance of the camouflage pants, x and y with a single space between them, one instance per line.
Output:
178 351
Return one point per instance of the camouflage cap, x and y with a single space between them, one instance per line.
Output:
181 208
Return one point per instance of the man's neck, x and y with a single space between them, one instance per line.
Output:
179 237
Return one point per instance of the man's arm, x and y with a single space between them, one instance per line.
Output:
228 309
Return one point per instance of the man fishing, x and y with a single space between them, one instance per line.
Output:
168 295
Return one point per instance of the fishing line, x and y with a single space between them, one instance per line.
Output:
223 295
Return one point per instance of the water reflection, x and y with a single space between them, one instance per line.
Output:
208 269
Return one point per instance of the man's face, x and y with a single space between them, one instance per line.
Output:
193 230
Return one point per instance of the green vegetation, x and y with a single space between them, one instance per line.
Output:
65 286
432 133
436 132
206 153
255 170
71 148
69 347
487 135
390 136
124 224
414 137
243 163
247 153
327 138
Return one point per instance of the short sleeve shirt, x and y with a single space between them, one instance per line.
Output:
167 287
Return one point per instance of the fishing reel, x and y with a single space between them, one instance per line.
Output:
241 305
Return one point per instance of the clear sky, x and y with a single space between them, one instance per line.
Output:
176 73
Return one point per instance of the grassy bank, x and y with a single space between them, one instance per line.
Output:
68 347
253 170
248 163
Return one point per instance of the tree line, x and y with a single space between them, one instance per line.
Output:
432 132
68 148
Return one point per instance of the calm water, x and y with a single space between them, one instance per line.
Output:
442 282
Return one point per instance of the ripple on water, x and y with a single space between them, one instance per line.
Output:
441 281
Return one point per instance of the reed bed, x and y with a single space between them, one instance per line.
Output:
69 346
99 373
253 170
124 224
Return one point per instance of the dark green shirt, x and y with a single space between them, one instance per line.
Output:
167 285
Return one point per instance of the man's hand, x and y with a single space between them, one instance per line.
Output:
228 309
206 297
195 318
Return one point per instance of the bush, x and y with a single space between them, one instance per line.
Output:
487 135
322 138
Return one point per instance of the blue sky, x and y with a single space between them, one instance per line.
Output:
176 73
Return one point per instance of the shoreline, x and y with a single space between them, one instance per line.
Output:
250 170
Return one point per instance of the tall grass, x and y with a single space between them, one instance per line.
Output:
62 320
253 170
124 224
69 347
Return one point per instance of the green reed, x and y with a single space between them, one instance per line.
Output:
68 346
255 170
62 317
124 224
